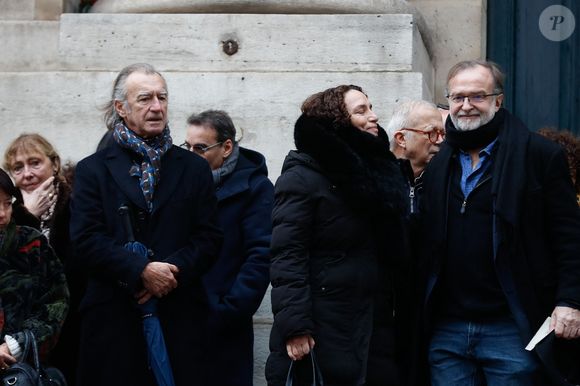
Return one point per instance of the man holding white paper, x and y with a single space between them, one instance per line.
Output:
503 237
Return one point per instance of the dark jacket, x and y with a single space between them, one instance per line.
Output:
58 224
33 290
536 235
414 186
64 354
181 230
237 282
337 201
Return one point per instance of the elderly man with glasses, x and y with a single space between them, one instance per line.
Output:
415 132
503 234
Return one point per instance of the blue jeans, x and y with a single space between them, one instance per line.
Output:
463 353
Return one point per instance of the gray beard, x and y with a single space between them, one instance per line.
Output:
472 125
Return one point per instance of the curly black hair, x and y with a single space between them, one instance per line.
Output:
329 104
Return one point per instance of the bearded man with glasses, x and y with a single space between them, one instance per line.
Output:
503 233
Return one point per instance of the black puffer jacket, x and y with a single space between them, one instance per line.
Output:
339 199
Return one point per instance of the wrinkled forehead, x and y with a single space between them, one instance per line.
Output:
426 117
140 82
471 79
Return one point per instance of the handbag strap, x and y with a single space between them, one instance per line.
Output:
31 349
316 373
25 346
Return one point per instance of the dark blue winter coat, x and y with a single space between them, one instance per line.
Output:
238 281
181 230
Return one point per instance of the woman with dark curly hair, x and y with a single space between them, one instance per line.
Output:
571 145
338 207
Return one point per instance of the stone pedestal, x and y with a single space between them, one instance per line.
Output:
254 6
281 59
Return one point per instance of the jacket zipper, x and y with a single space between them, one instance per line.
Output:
412 198
464 203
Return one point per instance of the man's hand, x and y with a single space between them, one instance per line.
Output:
5 358
143 296
299 346
159 279
40 199
566 322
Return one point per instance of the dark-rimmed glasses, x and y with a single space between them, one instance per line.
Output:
432 134
198 147
477 98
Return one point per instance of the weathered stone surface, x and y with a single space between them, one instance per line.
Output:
457 31
48 9
261 339
17 9
266 42
264 106
29 46
251 6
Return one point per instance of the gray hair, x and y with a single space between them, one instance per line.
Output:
111 117
402 117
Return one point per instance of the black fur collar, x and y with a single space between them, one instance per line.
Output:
361 166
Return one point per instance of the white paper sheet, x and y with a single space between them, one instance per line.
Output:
542 332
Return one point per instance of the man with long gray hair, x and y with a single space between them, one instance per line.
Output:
143 173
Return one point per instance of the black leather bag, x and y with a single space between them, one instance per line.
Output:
25 373
561 359
316 374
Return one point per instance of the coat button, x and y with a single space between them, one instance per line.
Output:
323 288
141 215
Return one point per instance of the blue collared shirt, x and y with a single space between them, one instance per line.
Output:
470 177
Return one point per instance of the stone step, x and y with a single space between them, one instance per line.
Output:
261 351
64 106
30 46
194 42
252 6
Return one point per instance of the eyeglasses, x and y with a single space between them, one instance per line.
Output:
432 134
477 98
198 147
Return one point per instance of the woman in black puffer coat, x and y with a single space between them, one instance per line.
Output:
338 207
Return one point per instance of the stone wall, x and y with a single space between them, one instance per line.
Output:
57 74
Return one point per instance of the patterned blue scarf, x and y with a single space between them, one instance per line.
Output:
151 150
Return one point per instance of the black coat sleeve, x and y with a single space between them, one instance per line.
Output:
289 272
563 227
